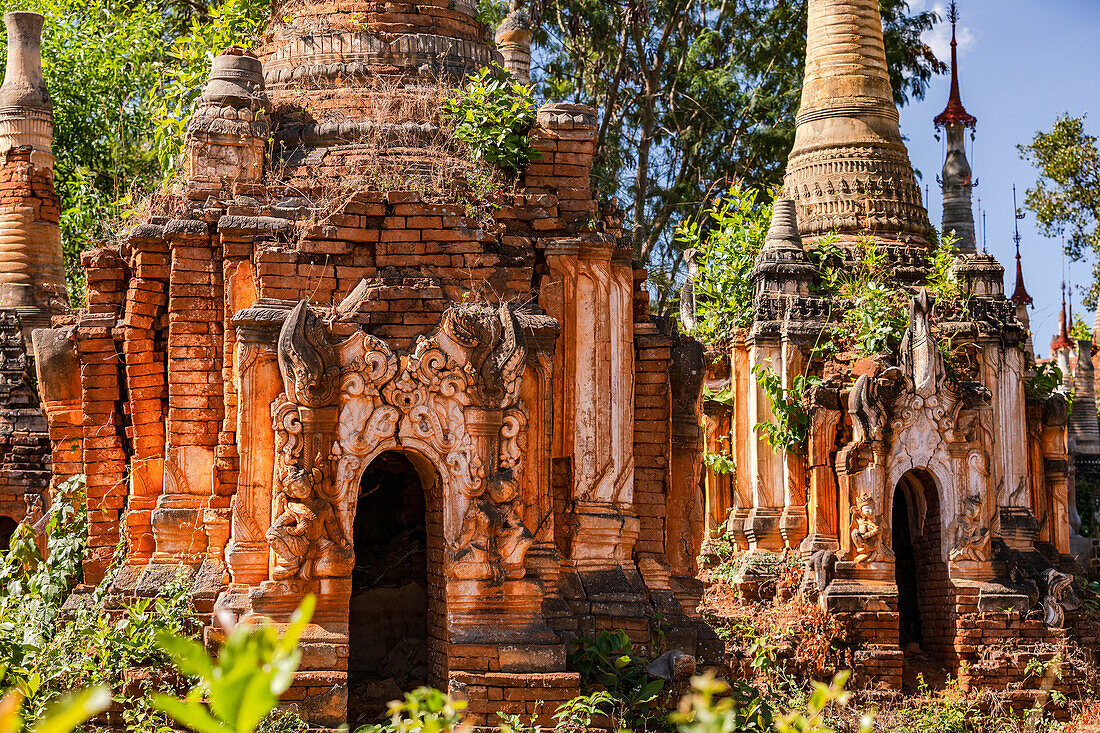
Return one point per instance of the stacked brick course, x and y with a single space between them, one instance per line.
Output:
250 350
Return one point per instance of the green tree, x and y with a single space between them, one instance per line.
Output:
694 92
1066 198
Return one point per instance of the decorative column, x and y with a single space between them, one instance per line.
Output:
824 528
742 383
591 297
1018 525
794 525
32 274
1056 464
258 384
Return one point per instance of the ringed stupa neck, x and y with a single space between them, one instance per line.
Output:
849 171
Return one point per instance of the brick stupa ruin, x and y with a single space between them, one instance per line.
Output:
322 368
931 507
32 276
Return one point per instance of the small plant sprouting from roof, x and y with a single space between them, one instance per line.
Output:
492 115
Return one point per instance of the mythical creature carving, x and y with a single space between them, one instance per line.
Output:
497 350
867 408
1058 597
920 356
306 538
866 529
972 537
818 571
311 376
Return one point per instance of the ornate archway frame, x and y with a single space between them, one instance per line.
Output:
452 403
932 426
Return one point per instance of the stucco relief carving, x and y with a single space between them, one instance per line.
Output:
455 401
866 530
972 536
306 360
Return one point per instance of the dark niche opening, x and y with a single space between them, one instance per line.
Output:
7 529
905 570
925 601
388 621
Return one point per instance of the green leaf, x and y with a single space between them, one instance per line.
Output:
68 714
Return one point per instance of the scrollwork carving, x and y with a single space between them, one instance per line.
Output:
434 398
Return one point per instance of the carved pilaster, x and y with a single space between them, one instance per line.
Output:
767 468
823 499
258 385
591 296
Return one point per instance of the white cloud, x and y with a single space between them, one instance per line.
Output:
939 38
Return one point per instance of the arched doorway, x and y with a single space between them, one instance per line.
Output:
7 529
925 601
388 618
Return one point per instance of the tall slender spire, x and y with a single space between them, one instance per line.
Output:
955 113
1062 340
1020 296
956 179
849 171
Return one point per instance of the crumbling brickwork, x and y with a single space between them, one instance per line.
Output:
287 317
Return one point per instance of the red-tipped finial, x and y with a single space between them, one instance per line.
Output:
1062 340
1020 296
955 113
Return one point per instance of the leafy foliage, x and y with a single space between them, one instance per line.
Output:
424 710
813 719
949 712
717 707
1066 198
492 115
606 663
46 655
788 430
1042 380
64 717
255 665
1080 330
726 239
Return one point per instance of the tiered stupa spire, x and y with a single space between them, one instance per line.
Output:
849 171
32 273
957 183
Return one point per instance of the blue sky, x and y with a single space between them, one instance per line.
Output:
1022 63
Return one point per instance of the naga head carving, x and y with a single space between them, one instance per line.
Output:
311 375
920 356
497 349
